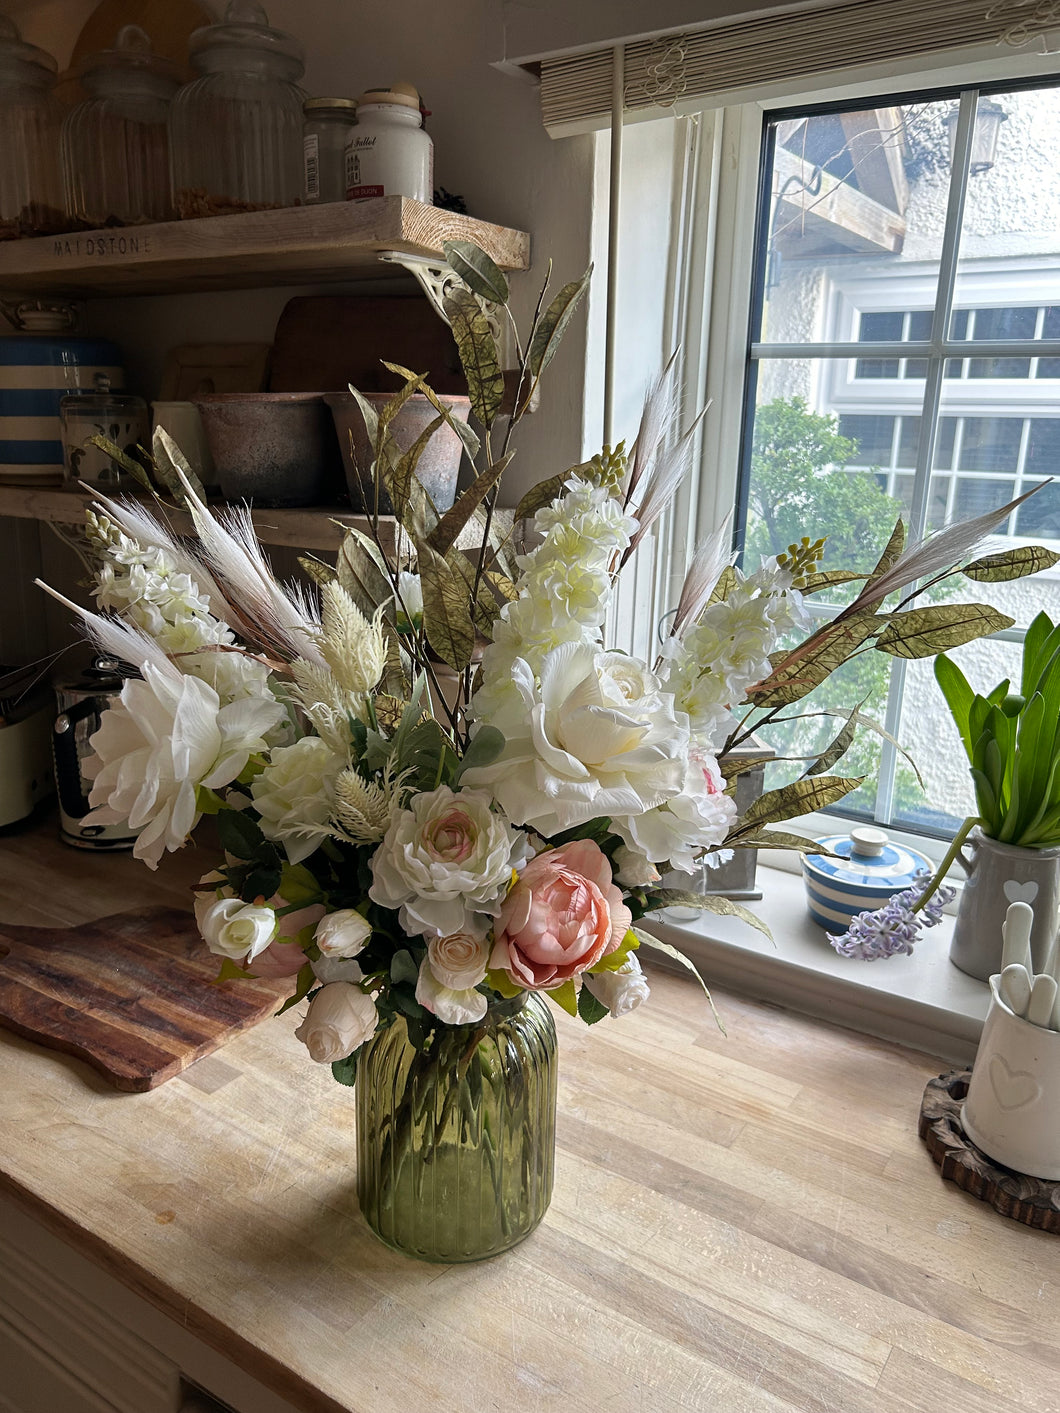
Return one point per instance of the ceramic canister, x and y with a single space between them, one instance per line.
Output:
36 371
870 869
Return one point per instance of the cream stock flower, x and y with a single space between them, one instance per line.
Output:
295 795
620 991
445 862
339 1020
577 747
165 736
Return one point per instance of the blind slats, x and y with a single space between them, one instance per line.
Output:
576 89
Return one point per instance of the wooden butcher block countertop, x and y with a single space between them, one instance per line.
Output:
739 1223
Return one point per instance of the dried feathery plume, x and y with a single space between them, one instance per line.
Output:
115 637
713 556
327 706
656 423
133 520
363 807
277 618
669 468
354 647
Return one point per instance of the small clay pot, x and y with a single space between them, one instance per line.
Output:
439 464
273 449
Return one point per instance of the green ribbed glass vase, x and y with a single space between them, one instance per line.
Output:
456 1144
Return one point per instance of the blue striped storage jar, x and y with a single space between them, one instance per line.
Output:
870 870
36 372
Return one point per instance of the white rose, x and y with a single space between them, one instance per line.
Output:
342 933
576 747
410 591
232 928
452 1007
295 795
620 991
459 961
698 818
445 862
165 736
339 1020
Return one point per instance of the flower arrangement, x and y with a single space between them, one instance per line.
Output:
434 785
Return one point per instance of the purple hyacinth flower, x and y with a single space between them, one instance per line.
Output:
894 927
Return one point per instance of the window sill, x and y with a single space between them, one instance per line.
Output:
921 1001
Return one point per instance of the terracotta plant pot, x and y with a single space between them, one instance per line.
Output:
439 464
273 449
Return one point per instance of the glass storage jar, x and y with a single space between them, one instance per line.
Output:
235 133
31 182
328 128
115 145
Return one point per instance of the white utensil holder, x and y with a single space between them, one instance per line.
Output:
1012 1110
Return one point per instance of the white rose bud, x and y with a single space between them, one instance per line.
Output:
632 869
339 1020
328 969
620 991
342 933
459 961
232 928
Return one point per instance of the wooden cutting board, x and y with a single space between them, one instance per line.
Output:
131 994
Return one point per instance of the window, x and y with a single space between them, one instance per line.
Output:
905 359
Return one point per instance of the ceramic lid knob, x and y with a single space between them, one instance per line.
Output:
868 843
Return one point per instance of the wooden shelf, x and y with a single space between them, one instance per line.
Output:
312 528
300 245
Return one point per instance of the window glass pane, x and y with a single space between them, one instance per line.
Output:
1050 367
908 437
990 443
872 437
993 324
1039 517
840 192
945 439
1043 446
978 494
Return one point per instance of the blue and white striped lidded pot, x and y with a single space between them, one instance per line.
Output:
869 871
38 369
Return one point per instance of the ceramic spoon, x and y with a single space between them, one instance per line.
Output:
1015 988
1016 936
1043 999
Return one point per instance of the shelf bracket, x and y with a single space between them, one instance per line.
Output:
436 278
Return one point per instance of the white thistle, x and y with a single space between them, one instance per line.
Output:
327 705
363 808
354 648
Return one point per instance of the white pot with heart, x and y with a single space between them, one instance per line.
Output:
999 875
1012 1110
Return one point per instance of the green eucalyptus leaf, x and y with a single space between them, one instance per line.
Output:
839 747
483 749
128 464
315 569
168 458
537 497
826 579
808 665
359 568
1011 564
459 426
890 555
403 968
589 1008
647 940
922 632
478 353
443 536
239 834
477 270
297 885
345 1071
780 839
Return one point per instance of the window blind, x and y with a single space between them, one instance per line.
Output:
576 89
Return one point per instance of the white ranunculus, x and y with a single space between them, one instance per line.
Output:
446 862
339 1020
697 818
295 795
577 748
342 933
165 736
232 928
452 1007
620 991
459 961
327 969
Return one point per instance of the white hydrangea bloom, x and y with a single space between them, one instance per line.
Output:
675 833
295 795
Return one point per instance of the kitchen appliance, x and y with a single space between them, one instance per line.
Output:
25 752
81 702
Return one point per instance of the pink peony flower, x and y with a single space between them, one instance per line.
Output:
279 959
563 914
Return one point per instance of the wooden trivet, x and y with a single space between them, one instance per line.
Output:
1033 1201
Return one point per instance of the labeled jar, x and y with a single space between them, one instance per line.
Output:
389 153
235 133
115 145
119 417
329 124
31 179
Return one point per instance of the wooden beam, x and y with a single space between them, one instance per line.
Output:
876 140
819 215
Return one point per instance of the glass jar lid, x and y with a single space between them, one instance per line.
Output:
400 95
131 58
15 50
246 28
330 108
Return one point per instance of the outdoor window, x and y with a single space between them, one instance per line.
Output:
905 360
